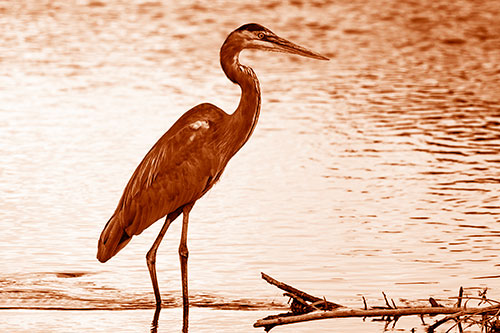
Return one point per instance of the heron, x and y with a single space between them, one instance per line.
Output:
190 157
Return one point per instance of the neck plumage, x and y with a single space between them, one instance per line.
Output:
244 119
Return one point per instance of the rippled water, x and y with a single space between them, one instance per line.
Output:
375 171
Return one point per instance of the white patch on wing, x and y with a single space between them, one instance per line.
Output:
199 124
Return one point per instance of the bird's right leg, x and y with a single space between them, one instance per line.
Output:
183 256
151 255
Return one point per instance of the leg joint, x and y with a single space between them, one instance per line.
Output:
151 257
183 251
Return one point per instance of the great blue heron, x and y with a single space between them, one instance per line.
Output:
191 156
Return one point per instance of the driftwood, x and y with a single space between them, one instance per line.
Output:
305 307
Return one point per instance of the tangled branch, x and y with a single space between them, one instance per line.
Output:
306 307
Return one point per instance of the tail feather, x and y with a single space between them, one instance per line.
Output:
113 239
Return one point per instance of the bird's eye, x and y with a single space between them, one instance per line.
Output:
260 35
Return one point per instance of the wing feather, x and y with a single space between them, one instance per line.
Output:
179 169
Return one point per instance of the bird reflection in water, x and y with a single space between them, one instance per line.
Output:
190 158
154 323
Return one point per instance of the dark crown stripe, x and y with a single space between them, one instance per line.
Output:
251 27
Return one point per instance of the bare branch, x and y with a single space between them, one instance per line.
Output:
300 293
306 307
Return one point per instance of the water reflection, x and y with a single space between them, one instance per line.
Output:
154 322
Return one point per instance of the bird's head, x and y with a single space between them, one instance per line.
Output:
255 36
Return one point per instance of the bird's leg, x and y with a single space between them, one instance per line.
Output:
151 256
183 256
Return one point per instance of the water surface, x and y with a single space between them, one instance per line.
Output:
375 171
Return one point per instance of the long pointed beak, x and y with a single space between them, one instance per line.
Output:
283 45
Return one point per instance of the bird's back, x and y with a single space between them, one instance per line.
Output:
185 162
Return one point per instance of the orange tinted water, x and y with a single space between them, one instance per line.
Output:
376 171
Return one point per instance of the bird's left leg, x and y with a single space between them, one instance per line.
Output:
151 256
183 256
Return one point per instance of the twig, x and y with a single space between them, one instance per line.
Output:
300 293
460 294
343 312
386 301
463 312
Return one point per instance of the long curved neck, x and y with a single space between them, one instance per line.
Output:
244 119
